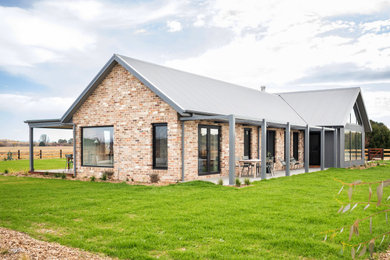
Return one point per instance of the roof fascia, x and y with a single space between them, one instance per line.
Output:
88 90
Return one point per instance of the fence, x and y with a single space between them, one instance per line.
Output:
377 153
38 154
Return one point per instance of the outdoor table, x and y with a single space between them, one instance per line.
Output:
254 162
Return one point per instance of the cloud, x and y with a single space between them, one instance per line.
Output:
174 26
34 106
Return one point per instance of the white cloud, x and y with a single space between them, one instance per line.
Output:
174 26
377 103
34 106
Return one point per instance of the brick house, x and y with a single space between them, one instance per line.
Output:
137 118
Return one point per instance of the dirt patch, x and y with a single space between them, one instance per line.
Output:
18 245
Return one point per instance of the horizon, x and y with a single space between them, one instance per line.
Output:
52 50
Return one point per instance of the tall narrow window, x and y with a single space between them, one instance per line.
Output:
247 142
208 149
271 143
295 145
160 146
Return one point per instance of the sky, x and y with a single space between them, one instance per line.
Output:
51 50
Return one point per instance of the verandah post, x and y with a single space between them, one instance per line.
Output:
287 148
264 150
232 149
322 149
307 150
31 148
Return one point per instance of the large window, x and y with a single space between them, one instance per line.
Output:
247 142
98 146
353 145
160 146
208 149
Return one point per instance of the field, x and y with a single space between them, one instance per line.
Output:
47 151
23 165
280 218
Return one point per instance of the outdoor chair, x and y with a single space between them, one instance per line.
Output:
270 165
69 161
293 163
247 165
283 163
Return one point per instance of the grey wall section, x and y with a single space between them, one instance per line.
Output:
329 148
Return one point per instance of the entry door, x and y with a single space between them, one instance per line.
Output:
315 149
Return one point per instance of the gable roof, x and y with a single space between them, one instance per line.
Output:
330 107
190 93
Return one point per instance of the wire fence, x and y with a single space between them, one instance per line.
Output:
38 153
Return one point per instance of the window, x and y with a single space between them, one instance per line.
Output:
160 146
295 145
352 145
247 142
208 149
97 146
271 143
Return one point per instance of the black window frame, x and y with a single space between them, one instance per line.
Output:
247 146
296 145
82 146
200 126
154 125
268 143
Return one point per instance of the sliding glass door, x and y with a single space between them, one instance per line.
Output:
208 149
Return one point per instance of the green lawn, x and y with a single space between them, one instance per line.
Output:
273 219
23 165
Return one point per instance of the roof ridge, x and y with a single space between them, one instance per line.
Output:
293 109
318 90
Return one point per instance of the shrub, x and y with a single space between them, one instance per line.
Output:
104 176
6 171
92 178
63 176
238 182
46 173
108 174
57 175
247 181
220 182
154 178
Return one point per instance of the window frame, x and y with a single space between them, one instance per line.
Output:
82 146
154 125
208 127
249 142
295 145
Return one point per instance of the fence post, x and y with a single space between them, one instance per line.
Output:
40 154
18 154
60 153
383 153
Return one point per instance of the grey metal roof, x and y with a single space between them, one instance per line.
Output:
190 93
198 94
330 107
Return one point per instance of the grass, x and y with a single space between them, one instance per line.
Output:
23 165
275 219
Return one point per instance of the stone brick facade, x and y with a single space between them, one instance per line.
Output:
123 102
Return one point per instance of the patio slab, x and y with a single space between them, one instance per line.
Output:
277 174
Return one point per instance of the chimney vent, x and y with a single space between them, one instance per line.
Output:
262 88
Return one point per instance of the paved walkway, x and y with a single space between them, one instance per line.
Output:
276 175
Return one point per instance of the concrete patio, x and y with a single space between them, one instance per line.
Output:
277 174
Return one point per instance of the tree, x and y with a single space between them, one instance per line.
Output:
379 137
70 141
62 141
44 138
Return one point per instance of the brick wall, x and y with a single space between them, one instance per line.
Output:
122 101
